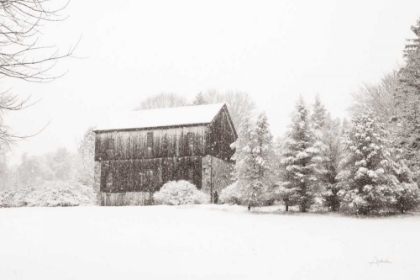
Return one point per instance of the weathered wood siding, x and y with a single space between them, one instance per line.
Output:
128 198
221 135
167 142
148 175
141 161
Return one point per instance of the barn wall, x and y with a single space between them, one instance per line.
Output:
215 172
167 142
221 135
97 179
148 175
128 198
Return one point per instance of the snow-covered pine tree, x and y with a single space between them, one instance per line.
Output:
263 155
318 126
200 99
409 74
332 140
253 154
243 158
319 114
408 103
300 160
366 168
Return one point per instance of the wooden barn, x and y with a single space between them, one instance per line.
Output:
137 152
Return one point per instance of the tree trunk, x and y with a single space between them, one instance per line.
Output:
287 206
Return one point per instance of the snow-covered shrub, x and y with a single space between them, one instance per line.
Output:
179 193
200 197
407 197
49 194
232 194
368 173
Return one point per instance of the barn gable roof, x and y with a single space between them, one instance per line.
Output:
165 117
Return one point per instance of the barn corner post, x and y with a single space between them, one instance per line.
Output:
211 180
97 170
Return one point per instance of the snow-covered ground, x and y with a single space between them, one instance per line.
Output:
203 242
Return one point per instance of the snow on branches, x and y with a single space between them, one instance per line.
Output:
371 179
253 156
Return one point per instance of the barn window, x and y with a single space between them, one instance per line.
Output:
150 140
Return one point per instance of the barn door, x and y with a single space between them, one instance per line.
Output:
106 177
109 180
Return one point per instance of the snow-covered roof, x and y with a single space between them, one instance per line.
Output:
187 115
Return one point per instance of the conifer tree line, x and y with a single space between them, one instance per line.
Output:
368 165
322 164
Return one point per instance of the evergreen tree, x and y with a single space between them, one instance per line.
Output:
199 99
332 140
408 103
263 154
243 157
410 73
300 160
318 126
253 156
319 115
367 167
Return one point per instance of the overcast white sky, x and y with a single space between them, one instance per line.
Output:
274 50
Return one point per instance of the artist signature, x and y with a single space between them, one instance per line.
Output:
379 261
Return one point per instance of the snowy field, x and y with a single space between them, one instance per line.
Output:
203 242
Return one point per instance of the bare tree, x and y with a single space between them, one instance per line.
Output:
380 98
21 57
240 104
163 100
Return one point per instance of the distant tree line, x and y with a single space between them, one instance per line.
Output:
239 103
60 165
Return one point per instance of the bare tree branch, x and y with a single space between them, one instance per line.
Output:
20 55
